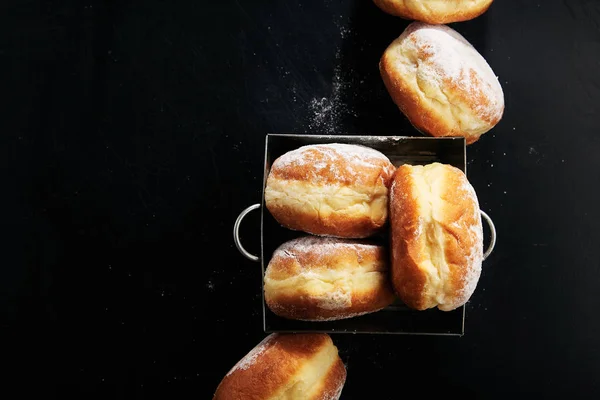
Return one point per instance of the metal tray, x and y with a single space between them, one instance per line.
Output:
397 318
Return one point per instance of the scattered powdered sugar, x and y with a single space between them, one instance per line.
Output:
324 114
450 56
332 152
278 308
466 191
319 245
327 112
470 280
439 43
473 271
478 231
338 159
356 151
474 259
475 255
253 355
320 165
334 394
393 191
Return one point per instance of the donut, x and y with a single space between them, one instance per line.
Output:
436 237
441 83
321 279
435 11
338 190
286 366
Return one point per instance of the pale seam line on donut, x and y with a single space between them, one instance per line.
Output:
453 108
315 389
438 273
416 65
307 279
330 200
363 195
440 239
297 388
424 5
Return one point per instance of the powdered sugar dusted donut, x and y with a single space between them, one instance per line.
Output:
287 366
441 83
319 279
436 236
435 11
330 190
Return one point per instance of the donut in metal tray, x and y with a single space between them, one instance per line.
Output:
338 190
436 236
321 279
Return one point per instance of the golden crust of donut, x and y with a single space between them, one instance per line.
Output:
436 236
286 366
331 190
441 83
435 11
317 279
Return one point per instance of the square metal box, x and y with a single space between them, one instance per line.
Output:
396 318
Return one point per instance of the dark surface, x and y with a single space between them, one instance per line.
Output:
133 135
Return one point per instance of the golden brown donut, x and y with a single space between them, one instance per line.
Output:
435 11
330 190
436 236
322 279
441 83
286 366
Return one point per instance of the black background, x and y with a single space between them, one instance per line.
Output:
133 134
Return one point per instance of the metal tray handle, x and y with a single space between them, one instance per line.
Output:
236 233
492 234
252 257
